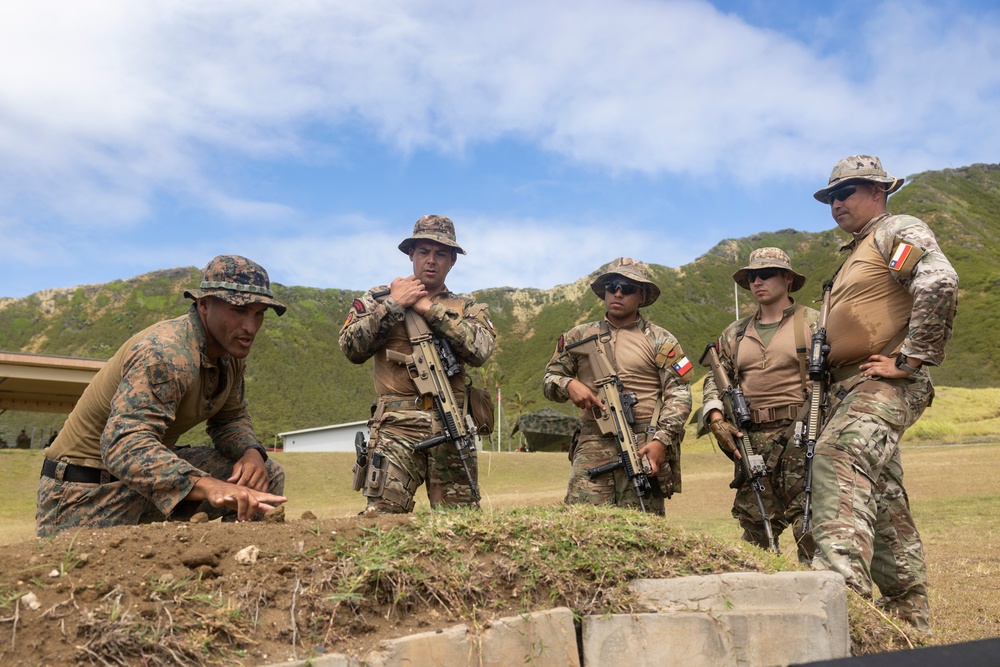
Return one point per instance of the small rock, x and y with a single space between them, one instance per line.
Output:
247 556
31 600
54 574
200 517
308 516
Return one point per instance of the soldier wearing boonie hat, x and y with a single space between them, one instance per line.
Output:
760 355
891 312
236 280
400 417
651 365
116 460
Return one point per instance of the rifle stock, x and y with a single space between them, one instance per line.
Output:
737 409
614 418
431 376
817 399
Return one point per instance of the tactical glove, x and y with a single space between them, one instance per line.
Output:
725 435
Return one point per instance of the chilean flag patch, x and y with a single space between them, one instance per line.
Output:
903 251
682 366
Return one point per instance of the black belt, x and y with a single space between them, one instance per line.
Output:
77 474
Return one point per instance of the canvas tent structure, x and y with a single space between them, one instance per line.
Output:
547 430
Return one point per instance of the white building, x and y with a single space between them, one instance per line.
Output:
334 438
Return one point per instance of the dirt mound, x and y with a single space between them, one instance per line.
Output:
256 593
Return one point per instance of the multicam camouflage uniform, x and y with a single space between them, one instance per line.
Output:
766 371
651 365
400 417
156 387
896 279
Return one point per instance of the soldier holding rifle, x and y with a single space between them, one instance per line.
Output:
764 356
651 375
419 435
891 311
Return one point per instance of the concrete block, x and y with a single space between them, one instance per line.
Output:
744 619
542 639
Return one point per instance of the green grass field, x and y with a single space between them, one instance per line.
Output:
954 491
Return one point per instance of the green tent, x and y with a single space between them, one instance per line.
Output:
547 430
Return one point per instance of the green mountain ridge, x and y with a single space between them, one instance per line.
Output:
298 378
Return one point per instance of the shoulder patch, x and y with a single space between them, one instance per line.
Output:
358 306
683 368
904 259
561 345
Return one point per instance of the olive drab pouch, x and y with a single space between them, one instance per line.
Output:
481 408
374 482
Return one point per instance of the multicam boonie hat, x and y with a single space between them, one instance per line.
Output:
629 269
769 258
433 228
855 168
236 280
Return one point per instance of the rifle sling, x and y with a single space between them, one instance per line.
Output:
649 428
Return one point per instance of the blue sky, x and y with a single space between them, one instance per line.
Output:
557 134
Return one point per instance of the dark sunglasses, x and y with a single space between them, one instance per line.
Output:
763 274
840 194
618 286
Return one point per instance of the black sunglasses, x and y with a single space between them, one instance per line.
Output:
618 286
763 274
840 194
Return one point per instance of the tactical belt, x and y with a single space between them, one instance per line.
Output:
590 428
77 474
408 403
766 416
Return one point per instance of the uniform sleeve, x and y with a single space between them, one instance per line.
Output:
710 396
676 397
471 335
231 428
142 409
367 326
562 368
933 283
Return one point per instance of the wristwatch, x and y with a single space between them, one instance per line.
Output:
261 450
903 366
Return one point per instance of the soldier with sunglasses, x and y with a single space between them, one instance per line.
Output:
765 356
651 365
890 316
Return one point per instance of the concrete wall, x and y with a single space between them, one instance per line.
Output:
739 619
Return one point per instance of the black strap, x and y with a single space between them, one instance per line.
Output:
76 474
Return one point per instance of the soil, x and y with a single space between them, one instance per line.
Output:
175 593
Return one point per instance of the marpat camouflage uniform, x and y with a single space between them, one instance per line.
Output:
668 367
400 417
763 369
157 386
861 517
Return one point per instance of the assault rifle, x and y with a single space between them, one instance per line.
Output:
430 366
614 417
752 467
817 399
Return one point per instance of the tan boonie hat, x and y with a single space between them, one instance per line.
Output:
236 280
433 228
629 269
769 258
854 168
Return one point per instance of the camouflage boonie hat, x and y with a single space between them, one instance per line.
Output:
236 280
769 258
854 168
630 269
435 228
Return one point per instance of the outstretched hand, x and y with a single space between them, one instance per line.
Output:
246 501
